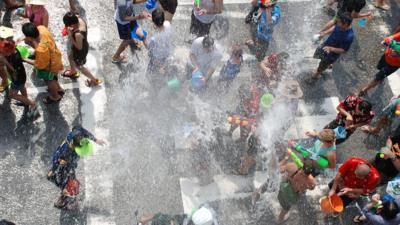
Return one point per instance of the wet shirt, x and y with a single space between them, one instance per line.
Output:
124 9
376 219
37 17
316 148
392 57
350 104
206 60
47 55
338 39
207 5
350 5
160 44
347 170
18 76
230 70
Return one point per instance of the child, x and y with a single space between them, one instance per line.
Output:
35 12
80 48
232 67
16 68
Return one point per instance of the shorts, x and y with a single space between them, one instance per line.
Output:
46 75
124 30
287 196
384 69
324 63
198 28
169 5
17 87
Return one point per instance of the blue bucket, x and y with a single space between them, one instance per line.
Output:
362 22
198 80
340 132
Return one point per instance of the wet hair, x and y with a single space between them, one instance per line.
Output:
345 17
70 19
389 210
365 106
157 16
208 42
6 222
327 135
30 30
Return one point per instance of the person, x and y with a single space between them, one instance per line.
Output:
126 23
6 222
270 67
69 193
16 69
387 161
160 47
339 42
204 215
355 177
249 108
388 115
388 64
262 30
295 182
79 49
232 67
48 59
65 158
36 12
324 146
204 57
353 112
9 6
351 7
203 15
380 212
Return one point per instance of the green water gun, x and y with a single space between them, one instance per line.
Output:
395 45
322 162
197 3
295 159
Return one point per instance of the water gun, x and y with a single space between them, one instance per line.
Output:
151 5
65 31
397 111
295 159
322 162
240 120
197 3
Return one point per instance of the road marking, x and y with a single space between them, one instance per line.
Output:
394 82
42 89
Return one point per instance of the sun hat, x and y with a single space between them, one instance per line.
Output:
6 32
203 216
84 148
36 2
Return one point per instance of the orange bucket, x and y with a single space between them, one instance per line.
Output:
333 204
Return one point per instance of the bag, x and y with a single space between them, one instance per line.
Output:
264 30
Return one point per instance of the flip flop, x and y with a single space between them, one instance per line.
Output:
359 219
122 59
92 83
48 100
67 73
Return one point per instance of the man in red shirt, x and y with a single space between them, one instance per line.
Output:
354 112
355 177
388 64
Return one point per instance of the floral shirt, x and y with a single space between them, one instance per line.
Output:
350 104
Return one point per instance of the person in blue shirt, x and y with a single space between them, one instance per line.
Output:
339 42
380 212
263 29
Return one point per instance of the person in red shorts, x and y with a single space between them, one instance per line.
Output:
388 64
355 177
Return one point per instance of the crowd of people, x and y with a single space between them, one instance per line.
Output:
355 178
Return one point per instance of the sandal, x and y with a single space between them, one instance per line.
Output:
359 219
92 83
121 59
69 74
48 100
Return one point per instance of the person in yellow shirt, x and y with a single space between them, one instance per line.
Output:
48 59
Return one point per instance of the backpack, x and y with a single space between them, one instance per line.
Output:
263 29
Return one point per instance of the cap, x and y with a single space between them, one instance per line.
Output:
203 216
6 32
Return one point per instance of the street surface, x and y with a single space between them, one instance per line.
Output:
147 164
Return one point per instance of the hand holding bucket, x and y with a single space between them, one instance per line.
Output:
198 80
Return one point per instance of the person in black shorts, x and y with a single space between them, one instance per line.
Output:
80 49
169 8
16 69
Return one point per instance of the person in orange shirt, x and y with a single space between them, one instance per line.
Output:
388 64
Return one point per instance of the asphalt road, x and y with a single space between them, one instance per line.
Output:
145 159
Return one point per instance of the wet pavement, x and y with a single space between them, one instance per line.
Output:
147 158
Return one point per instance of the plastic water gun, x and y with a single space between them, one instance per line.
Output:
151 5
295 158
394 45
397 111
240 120
197 3
321 161
65 31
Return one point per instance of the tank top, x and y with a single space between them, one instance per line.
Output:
85 44
207 5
